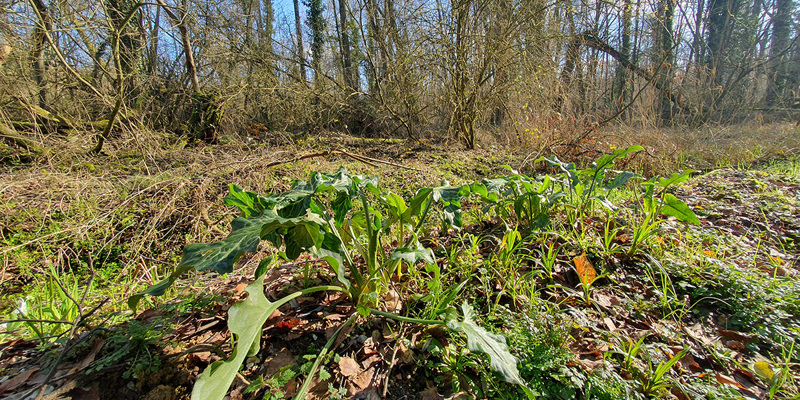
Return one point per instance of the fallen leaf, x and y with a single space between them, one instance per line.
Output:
727 380
148 314
371 360
734 345
586 271
278 361
348 367
364 379
609 324
737 336
240 287
690 363
288 324
763 370
430 394
17 380
679 394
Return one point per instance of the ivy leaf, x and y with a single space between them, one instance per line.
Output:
678 209
481 340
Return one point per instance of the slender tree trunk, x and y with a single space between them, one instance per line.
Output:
316 21
301 54
152 56
781 30
621 78
44 24
665 56
344 43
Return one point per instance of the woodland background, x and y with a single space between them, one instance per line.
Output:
526 72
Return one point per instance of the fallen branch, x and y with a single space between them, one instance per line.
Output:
8 133
362 159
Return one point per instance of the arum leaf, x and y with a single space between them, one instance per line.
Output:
621 179
249 204
494 345
678 209
675 178
220 256
245 321
413 255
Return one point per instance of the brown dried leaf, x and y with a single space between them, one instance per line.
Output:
727 380
364 379
430 394
17 380
348 366
278 361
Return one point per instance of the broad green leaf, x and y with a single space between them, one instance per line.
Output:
678 209
413 255
607 160
481 340
417 204
302 237
450 197
158 289
220 256
245 321
495 185
296 208
332 252
249 204
341 205
264 265
675 178
620 180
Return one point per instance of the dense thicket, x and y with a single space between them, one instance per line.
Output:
517 70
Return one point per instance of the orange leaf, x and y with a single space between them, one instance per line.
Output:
585 269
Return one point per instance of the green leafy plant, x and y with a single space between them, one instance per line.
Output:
320 217
656 378
592 184
659 202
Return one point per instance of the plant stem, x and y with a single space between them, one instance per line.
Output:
406 319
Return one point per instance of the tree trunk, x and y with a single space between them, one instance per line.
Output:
666 13
781 31
44 24
621 78
316 21
301 57
344 43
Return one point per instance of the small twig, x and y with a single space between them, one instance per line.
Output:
379 161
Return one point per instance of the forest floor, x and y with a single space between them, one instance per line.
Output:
591 303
